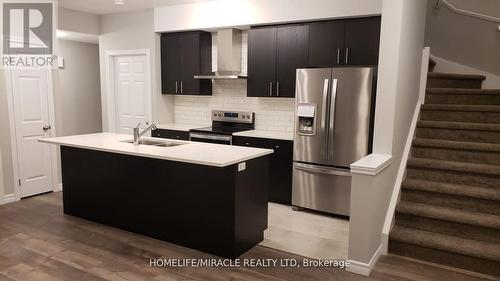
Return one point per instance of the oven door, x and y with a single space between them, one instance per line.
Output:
211 138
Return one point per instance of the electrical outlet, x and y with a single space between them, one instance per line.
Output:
242 166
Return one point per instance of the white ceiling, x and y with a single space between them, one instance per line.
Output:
100 7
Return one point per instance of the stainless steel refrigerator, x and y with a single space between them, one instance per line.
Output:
333 129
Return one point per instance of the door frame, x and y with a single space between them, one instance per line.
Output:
108 99
13 134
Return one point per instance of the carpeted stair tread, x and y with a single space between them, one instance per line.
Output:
447 243
453 189
459 125
454 166
460 107
442 75
449 214
456 145
459 91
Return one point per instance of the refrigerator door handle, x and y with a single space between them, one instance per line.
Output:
321 170
325 116
331 121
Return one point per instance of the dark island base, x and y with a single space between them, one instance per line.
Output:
216 210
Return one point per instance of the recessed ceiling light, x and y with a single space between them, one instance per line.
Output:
119 2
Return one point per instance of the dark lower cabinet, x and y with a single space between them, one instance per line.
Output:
281 166
170 134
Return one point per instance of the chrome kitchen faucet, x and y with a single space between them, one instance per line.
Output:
138 134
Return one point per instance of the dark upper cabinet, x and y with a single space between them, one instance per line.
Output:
291 53
184 55
274 54
170 63
326 43
261 62
281 166
362 38
344 42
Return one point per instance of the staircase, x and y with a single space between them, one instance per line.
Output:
449 212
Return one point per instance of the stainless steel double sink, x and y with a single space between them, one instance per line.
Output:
156 143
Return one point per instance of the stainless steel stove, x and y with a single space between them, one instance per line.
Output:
224 124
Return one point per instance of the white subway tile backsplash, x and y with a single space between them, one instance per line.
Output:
271 114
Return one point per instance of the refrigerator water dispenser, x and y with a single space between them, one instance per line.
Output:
306 124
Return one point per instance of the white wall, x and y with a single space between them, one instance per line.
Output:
8 181
402 42
2 186
487 7
463 39
77 93
75 21
130 31
443 65
68 20
223 13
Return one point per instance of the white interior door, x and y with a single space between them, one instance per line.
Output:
30 96
132 99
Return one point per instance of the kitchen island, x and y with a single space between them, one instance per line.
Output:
208 197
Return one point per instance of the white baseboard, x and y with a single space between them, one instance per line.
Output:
58 188
365 268
9 198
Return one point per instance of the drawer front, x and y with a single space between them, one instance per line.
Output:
321 188
277 145
170 134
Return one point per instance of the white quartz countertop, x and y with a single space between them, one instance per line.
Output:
178 126
266 134
217 155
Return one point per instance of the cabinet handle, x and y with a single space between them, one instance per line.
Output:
346 55
176 87
338 55
277 89
277 146
182 91
247 143
270 89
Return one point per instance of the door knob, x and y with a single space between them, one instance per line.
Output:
46 127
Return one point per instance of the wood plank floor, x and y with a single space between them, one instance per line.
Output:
39 242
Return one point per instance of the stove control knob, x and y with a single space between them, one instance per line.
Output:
215 114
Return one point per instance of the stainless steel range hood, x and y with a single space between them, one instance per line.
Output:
228 56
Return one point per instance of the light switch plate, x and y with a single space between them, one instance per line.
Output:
60 62
242 166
